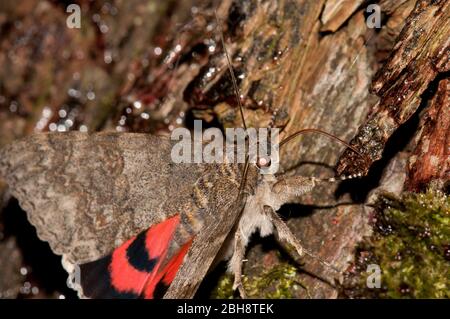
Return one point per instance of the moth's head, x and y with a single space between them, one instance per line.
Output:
255 173
259 169
266 157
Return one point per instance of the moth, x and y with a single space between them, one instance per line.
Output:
130 223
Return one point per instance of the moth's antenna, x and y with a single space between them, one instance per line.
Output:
336 179
315 130
244 176
238 97
230 68
320 260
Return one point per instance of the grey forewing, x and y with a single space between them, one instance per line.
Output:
86 194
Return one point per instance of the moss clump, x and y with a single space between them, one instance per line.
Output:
278 282
224 288
411 244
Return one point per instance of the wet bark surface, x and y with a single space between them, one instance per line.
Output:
150 66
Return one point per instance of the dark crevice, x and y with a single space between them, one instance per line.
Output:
46 271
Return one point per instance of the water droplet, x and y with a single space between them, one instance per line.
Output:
104 28
47 112
13 106
53 127
90 95
137 104
69 123
107 57
157 51
83 128
62 113
74 93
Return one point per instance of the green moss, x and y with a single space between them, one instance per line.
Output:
224 288
274 283
277 282
411 245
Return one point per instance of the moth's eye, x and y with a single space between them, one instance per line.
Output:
263 162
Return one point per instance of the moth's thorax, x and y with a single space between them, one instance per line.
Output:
253 218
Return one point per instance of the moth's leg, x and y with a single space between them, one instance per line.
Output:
235 264
289 188
285 235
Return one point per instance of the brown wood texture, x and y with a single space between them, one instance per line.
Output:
430 160
420 54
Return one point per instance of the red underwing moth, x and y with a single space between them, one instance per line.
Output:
131 223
